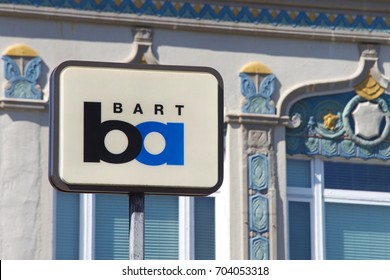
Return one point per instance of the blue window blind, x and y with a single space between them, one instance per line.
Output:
361 177
357 232
204 228
111 227
161 228
299 230
298 173
67 226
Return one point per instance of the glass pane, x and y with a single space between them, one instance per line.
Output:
204 228
357 232
298 173
111 227
299 230
67 226
361 177
161 228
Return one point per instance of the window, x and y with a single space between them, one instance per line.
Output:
96 227
67 231
338 210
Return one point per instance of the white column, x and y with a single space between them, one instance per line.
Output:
186 228
318 227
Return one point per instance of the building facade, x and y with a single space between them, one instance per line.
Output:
307 123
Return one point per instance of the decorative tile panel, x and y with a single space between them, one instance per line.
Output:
360 127
260 248
258 207
258 172
225 12
258 212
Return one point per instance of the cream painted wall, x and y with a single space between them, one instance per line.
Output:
26 197
293 61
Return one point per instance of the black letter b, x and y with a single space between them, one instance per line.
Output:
95 132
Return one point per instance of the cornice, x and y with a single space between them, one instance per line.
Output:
350 6
282 19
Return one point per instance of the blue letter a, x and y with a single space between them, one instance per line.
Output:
173 153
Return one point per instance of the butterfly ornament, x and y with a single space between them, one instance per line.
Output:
257 86
22 79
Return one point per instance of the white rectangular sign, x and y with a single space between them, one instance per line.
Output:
123 128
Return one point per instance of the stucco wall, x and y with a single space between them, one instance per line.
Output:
25 197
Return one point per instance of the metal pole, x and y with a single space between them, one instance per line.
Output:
136 226
142 50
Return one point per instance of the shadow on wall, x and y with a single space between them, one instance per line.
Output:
283 47
40 118
36 28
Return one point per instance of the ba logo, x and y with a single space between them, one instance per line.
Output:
95 132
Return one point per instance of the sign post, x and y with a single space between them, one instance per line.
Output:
136 129
137 226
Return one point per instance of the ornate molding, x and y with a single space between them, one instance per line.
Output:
361 128
250 17
330 121
368 122
369 88
257 86
368 67
225 12
22 69
258 138
142 47
355 123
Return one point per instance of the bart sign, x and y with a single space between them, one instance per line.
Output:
123 128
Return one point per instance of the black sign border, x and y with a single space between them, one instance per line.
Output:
54 119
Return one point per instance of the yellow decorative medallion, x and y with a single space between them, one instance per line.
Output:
255 68
330 121
369 88
20 50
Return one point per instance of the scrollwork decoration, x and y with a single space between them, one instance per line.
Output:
22 69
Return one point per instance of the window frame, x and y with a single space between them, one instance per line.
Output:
186 219
318 195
